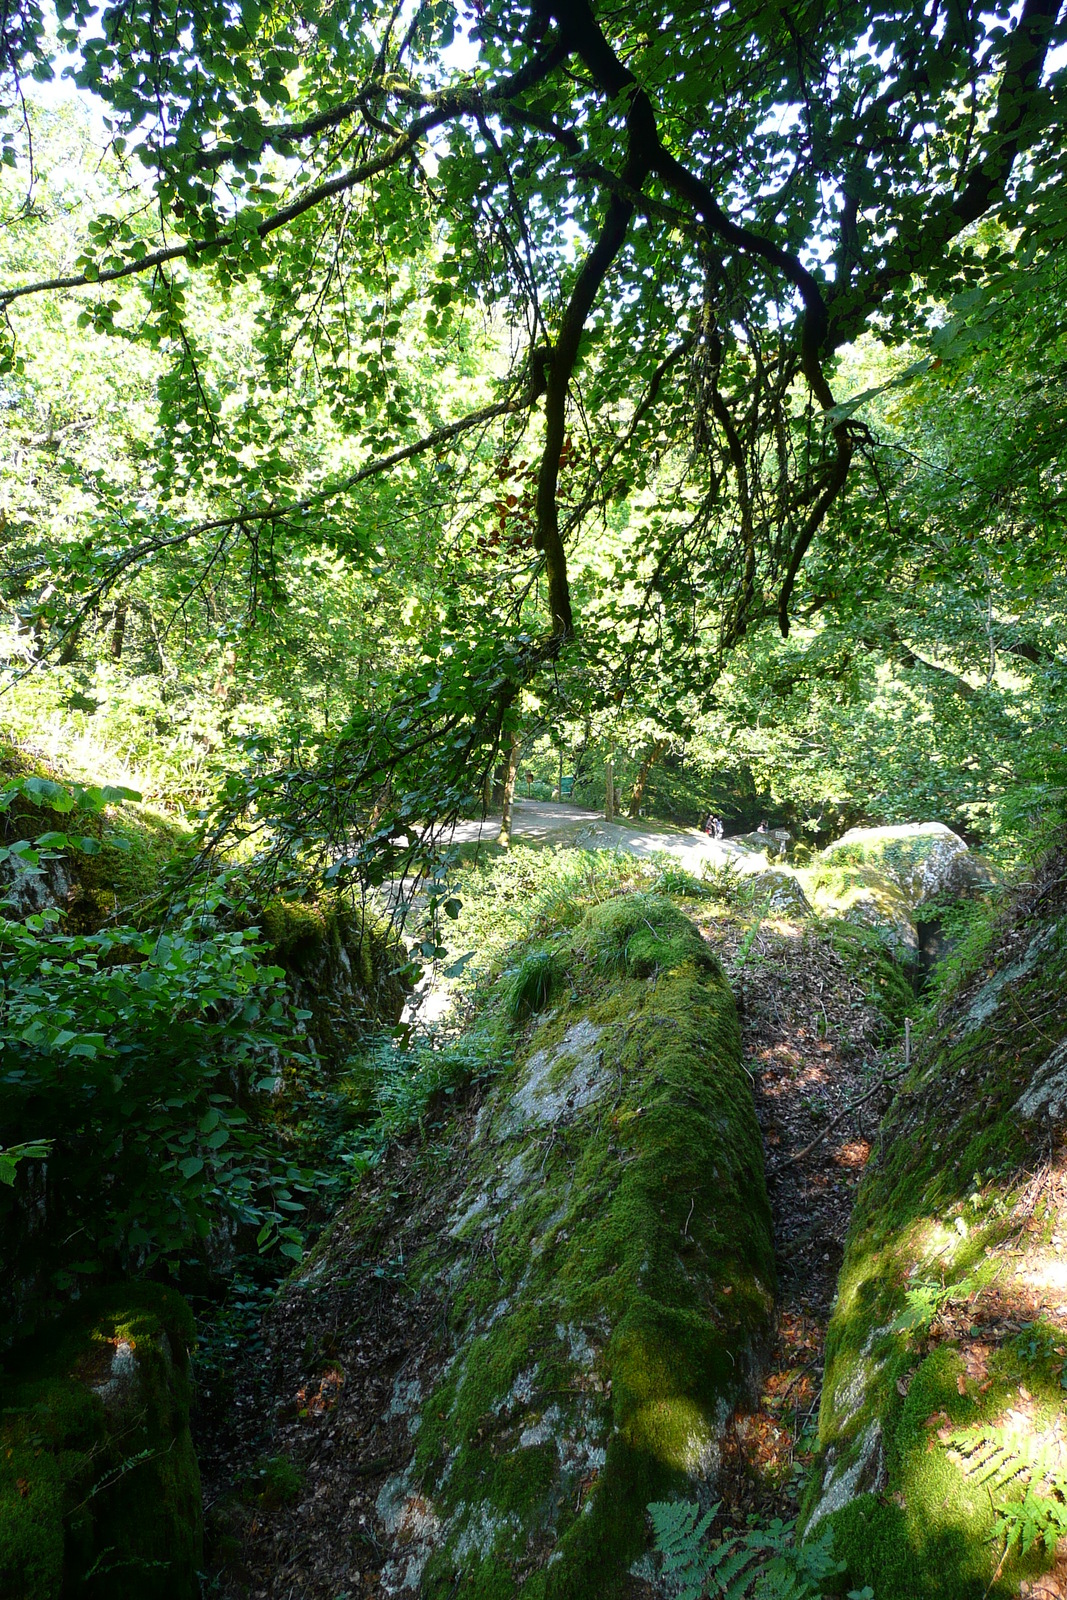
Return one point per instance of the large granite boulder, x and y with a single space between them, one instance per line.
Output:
928 863
943 1421
895 880
779 893
585 1244
866 899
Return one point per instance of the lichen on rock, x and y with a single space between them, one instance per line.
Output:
952 1300
605 1277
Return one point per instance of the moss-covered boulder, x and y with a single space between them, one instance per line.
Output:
927 862
943 1426
866 899
779 893
596 1254
345 963
99 1487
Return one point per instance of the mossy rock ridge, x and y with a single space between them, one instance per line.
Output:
605 1274
119 878
345 964
947 1343
99 1484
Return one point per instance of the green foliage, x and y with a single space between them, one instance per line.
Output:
276 1482
763 1563
36 1150
174 1037
679 1529
1020 1471
528 987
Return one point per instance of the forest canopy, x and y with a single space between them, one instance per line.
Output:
678 378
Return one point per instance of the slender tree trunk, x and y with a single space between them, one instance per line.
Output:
609 789
118 630
504 836
384 798
642 777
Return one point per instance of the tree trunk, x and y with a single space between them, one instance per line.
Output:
638 794
504 836
118 630
609 789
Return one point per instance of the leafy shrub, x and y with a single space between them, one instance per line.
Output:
140 1057
673 879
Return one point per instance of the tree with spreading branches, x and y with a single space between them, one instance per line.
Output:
666 221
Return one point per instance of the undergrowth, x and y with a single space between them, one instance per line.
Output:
760 1563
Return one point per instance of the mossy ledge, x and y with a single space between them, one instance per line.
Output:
99 1485
949 1318
604 1271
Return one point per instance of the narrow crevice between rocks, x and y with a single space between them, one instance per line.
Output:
814 1046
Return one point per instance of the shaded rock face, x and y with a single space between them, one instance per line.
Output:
943 1356
605 1275
99 1486
781 893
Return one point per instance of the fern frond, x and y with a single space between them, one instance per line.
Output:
680 1530
730 1569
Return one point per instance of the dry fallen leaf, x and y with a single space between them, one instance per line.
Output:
961 1383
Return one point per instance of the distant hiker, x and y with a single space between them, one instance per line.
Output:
762 827
713 826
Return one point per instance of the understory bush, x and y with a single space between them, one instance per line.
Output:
147 1062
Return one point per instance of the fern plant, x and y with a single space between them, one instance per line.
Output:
763 1563
1004 1460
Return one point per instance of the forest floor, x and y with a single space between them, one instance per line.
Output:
293 1464
812 1047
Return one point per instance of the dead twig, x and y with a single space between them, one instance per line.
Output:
853 1105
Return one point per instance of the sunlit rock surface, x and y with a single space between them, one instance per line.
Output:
944 1404
605 1279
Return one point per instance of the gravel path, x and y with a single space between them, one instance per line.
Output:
554 822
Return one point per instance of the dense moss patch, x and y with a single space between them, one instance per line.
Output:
937 1281
99 1486
607 1276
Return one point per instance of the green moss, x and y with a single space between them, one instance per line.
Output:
868 959
934 1204
99 1486
639 934
607 1330
294 927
